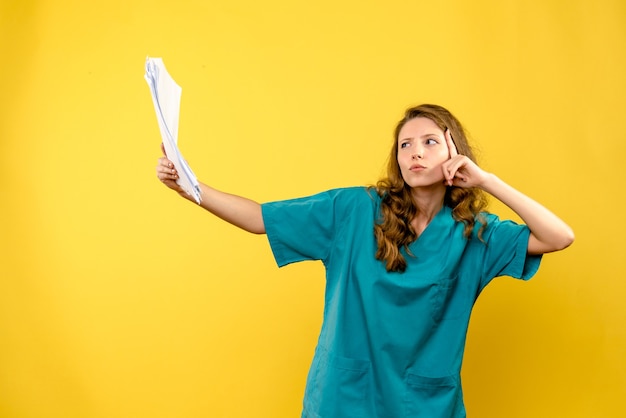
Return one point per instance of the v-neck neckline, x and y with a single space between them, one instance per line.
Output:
436 220
433 220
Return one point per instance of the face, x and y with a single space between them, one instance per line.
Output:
422 149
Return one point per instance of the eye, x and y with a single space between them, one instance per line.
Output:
431 141
404 144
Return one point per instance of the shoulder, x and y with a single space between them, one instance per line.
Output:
352 198
496 227
354 193
491 220
341 199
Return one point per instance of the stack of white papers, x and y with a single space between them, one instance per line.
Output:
166 99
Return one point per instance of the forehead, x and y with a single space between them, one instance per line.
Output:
418 127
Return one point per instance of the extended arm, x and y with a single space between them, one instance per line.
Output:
239 211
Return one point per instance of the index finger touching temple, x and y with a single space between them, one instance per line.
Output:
450 142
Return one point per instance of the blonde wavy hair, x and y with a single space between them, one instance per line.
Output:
393 230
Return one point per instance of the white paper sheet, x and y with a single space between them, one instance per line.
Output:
166 98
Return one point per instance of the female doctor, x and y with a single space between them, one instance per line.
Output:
405 261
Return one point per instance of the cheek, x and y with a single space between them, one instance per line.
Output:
439 174
403 162
442 157
402 169
438 169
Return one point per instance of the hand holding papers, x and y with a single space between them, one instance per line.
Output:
166 99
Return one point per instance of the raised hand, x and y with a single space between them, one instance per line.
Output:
459 170
547 231
166 172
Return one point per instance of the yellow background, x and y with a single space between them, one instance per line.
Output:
118 299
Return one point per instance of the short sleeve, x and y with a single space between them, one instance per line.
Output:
301 229
507 251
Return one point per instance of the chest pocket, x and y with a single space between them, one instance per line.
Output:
450 299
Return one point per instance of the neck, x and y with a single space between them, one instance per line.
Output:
429 202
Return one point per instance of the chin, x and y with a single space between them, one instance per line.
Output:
426 185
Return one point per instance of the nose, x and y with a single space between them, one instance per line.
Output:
418 153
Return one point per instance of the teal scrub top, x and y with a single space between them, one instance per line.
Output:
391 344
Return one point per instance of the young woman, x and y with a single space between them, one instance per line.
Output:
405 261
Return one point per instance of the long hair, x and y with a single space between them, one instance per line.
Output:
393 230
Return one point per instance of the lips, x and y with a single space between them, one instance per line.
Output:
417 167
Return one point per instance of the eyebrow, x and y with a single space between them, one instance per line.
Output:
423 136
